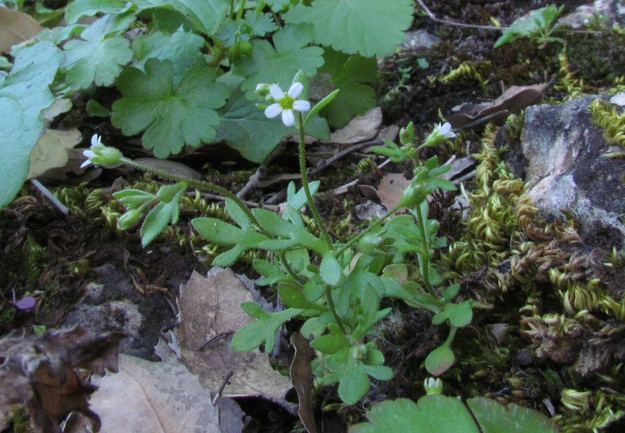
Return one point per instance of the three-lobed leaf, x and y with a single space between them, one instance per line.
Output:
278 63
172 115
263 330
369 27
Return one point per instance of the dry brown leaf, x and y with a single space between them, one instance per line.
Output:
390 189
210 313
359 129
301 376
51 151
15 27
511 101
150 397
40 372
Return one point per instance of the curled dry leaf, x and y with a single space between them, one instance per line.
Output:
42 373
511 101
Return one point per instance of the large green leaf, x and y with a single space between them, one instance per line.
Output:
441 414
369 27
171 115
182 48
278 63
81 8
23 94
97 58
348 73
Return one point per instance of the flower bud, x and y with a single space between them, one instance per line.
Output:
245 48
433 386
414 194
406 135
262 89
128 219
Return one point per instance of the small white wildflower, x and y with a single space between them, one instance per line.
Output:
286 103
101 154
440 134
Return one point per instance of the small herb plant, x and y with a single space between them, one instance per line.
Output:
538 25
187 70
335 288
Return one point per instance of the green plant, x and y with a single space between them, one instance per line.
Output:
335 287
189 77
436 413
538 25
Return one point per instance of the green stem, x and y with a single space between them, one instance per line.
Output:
339 322
424 257
199 184
363 233
302 168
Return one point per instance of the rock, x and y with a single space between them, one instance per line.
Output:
561 159
419 40
612 11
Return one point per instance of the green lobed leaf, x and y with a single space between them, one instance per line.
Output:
278 63
263 330
369 27
432 414
495 418
182 48
241 122
171 115
24 93
354 383
89 8
205 15
348 73
97 58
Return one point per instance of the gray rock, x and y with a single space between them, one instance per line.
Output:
560 158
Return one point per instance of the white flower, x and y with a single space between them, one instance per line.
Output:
286 103
445 130
440 134
101 154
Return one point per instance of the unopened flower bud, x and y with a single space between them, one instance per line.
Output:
433 386
262 89
129 219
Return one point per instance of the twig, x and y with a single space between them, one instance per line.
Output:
253 182
221 388
322 164
451 23
55 201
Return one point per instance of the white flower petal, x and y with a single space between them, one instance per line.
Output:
84 164
273 110
96 140
88 153
295 90
288 118
301 105
445 128
276 92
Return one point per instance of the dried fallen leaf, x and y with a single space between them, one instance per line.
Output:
51 150
390 189
301 376
359 129
512 100
15 27
210 313
147 397
41 372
